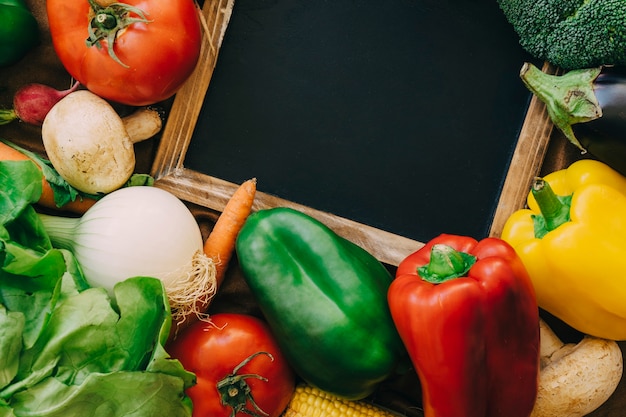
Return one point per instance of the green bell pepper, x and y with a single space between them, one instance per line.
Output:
19 31
325 300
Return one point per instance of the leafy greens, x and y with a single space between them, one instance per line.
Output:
67 349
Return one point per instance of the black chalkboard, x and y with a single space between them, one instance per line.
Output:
399 114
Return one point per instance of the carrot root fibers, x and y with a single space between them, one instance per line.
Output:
220 244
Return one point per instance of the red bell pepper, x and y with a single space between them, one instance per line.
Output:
467 314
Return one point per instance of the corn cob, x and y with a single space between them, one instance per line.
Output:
308 401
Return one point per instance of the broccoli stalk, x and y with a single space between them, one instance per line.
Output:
569 98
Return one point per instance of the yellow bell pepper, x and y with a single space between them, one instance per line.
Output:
572 240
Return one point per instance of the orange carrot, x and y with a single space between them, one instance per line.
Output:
78 206
220 244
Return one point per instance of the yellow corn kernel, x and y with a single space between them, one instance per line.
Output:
308 401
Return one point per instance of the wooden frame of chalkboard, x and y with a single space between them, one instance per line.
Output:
209 191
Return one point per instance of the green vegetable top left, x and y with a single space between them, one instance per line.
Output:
65 348
19 31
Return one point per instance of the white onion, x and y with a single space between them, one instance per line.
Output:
139 231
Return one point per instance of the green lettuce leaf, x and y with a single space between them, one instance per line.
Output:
20 186
6 410
11 327
67 349
62 190
129 394
86 335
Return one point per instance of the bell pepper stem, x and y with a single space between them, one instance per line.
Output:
445 263
555 211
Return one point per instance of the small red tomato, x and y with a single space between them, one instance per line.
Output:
239 367
136 52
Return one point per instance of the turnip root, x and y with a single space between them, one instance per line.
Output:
575 379
32 102
90 145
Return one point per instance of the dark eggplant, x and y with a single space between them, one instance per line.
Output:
588 106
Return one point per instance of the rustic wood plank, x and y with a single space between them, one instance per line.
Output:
213 193
530 152
187 104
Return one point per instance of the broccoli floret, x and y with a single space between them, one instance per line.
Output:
570 34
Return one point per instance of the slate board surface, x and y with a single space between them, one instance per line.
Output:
399 114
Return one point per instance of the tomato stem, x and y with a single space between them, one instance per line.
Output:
109 21
235 391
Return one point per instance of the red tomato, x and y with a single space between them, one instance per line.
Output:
215 351
155 57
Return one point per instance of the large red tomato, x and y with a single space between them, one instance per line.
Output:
150 58
238 366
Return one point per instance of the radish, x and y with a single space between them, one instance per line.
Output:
32 102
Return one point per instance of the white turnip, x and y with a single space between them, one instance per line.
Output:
140 231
